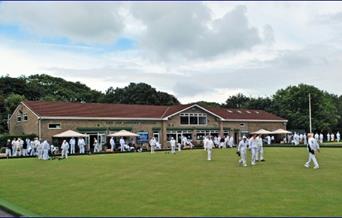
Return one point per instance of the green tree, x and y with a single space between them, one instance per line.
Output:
12 101
292 103
138 93
237 101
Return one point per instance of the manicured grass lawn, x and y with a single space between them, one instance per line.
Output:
185 184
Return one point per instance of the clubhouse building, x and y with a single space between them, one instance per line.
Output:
46 119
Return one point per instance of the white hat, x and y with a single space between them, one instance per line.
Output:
244 137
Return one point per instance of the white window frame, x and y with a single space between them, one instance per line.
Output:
197 115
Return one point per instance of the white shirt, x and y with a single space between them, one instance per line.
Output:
242 145
313 144
210 144
259 141
252 143
122 141
153 142
72 141
173 143
81 141
111 141
65 146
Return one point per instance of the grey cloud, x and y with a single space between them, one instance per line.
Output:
189 88
187 30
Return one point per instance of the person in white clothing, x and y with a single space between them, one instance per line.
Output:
205 139
81 145
65 149
338 136
332 137
321 138
328 137
72 143
153 144
46 148
253 147
268 139
260 149
313 148
226 141
122 144
20 144
316 136
96 146
209 146
39 150
231 142
112 144
173 145
14 147
242 148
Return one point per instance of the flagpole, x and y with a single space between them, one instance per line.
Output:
310 113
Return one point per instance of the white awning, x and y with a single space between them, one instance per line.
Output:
262 132
123 133
280 131
69 134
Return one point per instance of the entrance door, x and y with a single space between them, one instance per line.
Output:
101 139
156 136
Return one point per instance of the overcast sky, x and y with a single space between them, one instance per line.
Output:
194 50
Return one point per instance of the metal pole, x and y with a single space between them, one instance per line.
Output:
310 112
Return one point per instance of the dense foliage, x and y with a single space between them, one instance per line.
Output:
138 93
292 103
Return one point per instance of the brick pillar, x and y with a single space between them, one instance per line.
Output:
221 127
163 136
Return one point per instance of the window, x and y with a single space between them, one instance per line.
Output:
193 119
202 120
25 116
184 120
54 126
18 118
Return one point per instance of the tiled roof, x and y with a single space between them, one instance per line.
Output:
68 109
243 114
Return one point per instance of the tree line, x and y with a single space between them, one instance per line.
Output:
290 103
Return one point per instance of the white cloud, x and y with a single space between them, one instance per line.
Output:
85 22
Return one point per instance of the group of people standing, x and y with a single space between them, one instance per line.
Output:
19 147
41 148
302 138
70 147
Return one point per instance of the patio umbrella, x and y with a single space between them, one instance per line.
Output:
69 134
280 131
123 133
262 132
